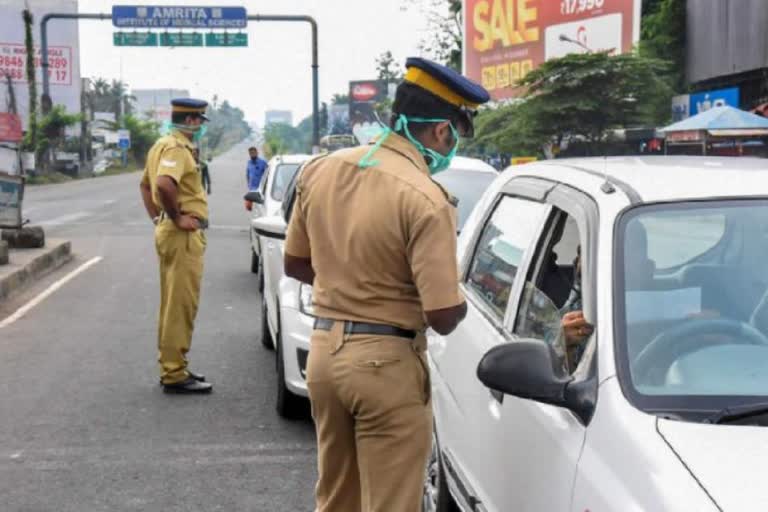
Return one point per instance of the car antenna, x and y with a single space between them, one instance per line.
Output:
607 187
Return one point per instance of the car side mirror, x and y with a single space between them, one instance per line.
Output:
271 227
529 369
254 196
525 369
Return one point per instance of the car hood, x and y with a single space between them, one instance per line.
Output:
727 460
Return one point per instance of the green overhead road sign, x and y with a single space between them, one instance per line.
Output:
134 39
226 39
181 39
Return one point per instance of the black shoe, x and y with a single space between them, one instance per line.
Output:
197 376
188 386
192 375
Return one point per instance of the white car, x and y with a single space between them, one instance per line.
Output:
266 202
664 406
268 198
289 303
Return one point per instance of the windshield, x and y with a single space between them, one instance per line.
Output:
283 176
692 303
467 186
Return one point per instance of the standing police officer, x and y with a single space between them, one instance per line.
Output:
174 198
376 237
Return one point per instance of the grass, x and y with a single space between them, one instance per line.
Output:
49 179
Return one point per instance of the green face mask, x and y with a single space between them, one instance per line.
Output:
197 131
437 161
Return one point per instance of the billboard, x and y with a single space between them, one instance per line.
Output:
63 53
687 105
363 97
505 39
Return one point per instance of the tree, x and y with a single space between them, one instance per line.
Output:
50 134
663 36
585 95
444 26
387 69
340 99
31 135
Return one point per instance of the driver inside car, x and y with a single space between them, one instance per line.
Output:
575 328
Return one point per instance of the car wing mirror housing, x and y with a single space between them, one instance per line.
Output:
271 227
530 369
254 196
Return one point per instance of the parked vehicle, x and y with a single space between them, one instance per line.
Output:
663 406
288 303
268 198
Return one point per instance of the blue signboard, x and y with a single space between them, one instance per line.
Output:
124 143
703 101
168 16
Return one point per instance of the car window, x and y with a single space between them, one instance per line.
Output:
289 197
467 186
554 289
674 240
264 180
282 177
506 236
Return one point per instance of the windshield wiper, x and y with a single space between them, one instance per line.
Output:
738 412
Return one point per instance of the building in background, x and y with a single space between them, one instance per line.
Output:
155 104
727 56
278 116
63 52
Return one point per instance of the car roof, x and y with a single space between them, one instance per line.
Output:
463 163
289 159
658 178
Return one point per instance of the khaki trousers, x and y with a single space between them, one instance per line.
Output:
181 270
371 405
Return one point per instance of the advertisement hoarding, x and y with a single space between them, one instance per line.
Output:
363 97
63 53
505 39
687 105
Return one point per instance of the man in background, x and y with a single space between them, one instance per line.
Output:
254 172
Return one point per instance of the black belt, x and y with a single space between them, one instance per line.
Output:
325 324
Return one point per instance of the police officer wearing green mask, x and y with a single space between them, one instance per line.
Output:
376 237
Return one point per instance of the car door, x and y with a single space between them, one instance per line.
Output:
538 445
466 414
259 210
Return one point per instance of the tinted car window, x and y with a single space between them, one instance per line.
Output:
467 186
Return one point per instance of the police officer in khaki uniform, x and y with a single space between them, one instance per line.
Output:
376 237
174 198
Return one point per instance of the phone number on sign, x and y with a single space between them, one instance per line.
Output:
13 63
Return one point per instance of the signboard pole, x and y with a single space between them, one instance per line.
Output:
46 103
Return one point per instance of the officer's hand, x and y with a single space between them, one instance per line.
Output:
187 223
576 327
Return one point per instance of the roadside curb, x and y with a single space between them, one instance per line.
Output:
28 265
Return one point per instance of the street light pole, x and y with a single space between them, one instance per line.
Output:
315 66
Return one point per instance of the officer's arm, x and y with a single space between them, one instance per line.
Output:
298 253
299 268
444 321
168 192
146 196
432 256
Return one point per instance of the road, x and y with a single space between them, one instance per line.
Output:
85 426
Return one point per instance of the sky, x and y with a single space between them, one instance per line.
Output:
274 71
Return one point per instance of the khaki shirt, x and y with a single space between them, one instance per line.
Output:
382 240
172 156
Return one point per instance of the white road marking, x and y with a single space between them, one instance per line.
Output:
23 310
64 219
